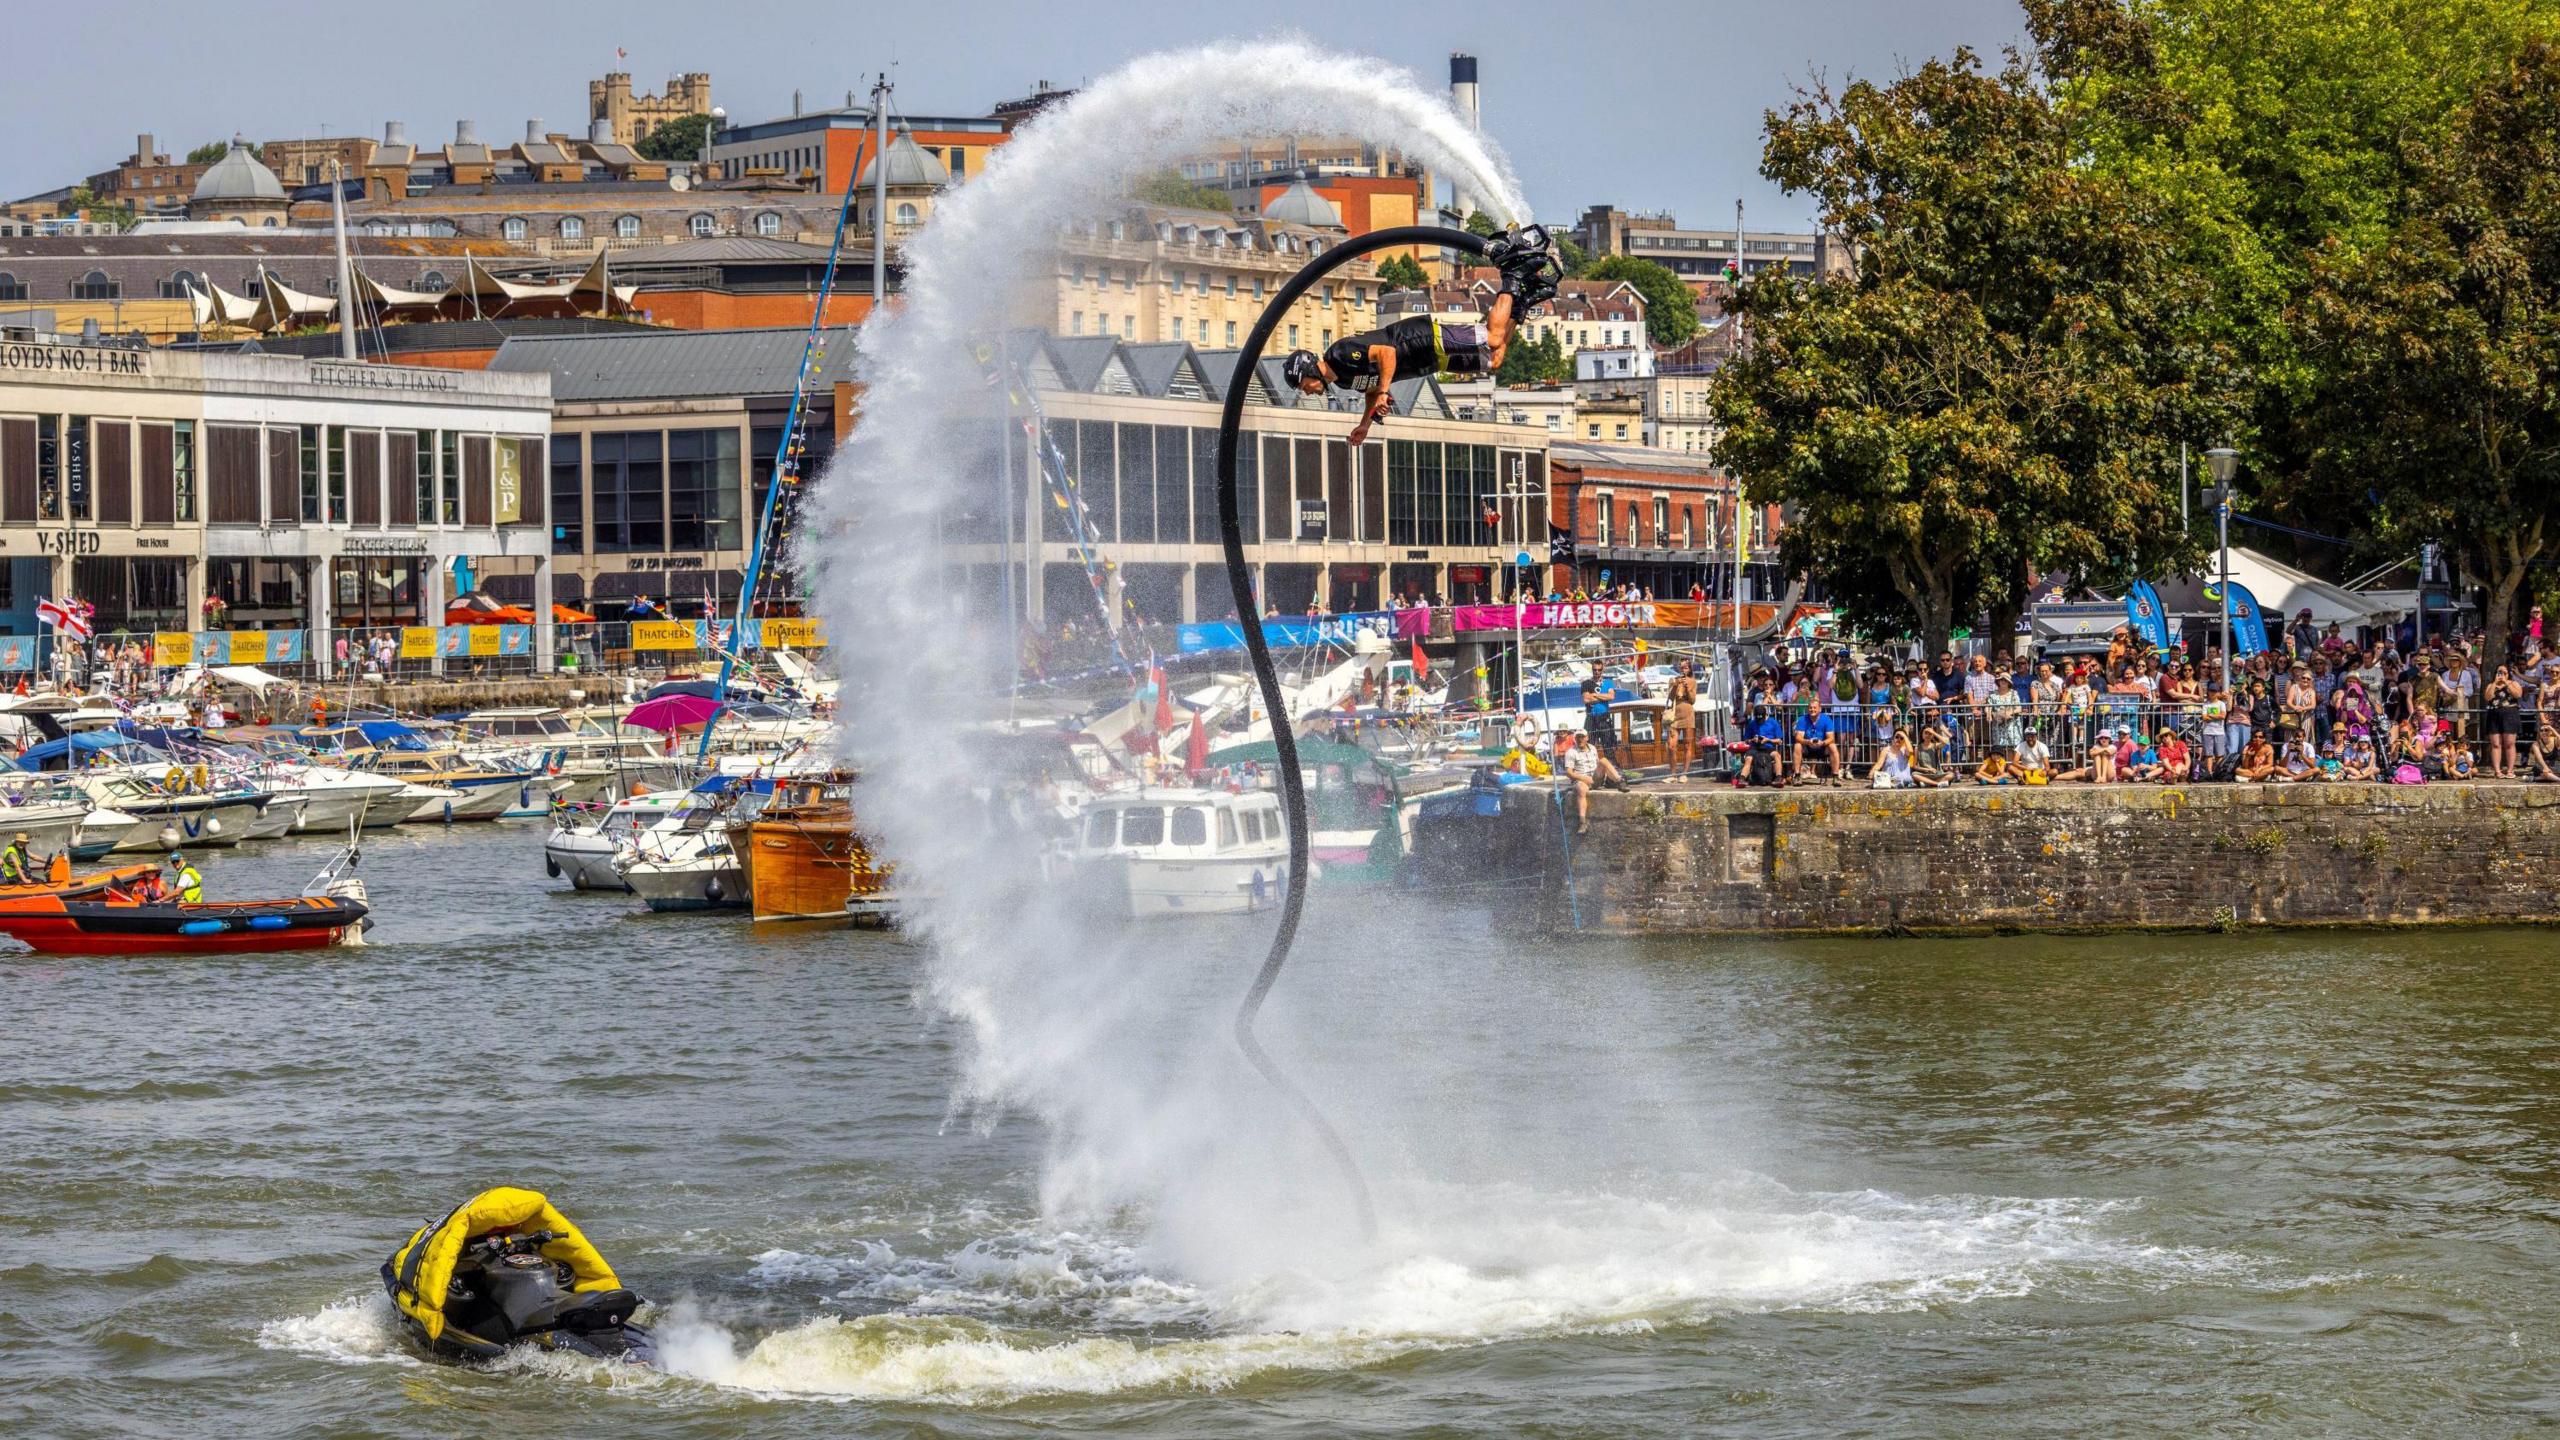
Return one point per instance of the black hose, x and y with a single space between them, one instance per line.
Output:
1284 740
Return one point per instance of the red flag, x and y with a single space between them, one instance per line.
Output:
1195 756
1164 702
1421 665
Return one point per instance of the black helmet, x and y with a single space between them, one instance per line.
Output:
1300 368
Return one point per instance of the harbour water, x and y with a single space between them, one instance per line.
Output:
2106 1186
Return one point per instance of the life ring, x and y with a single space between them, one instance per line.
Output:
1524 733
175 782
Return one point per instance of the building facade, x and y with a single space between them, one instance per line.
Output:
628 118
1702 254
306 494
827 150
1660 520
1159 274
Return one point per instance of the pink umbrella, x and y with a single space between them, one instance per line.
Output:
673 712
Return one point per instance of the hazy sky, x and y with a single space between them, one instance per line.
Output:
1653 104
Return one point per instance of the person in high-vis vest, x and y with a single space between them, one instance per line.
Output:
17 866
188 884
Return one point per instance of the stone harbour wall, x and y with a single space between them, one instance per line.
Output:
1701 860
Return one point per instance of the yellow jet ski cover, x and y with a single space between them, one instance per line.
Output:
421 1270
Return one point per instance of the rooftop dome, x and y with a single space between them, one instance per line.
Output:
239 176
1301 205
909 165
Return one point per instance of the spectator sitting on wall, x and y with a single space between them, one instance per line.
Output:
2257 760
1995 768
2357 760
2035 760
2176 764
1819 737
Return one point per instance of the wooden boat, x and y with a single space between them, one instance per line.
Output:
803 858
111 924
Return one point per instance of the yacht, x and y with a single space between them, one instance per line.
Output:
583 843
1168 852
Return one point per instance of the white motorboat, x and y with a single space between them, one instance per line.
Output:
709 877
280 816
1169 852
336 797
50 813
187 816
113 832
420 804
582 845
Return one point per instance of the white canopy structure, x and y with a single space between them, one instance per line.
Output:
2282 591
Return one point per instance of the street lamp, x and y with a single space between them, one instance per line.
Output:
2222 462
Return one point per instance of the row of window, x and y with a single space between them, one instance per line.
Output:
1653 524
649 491
767 223
1202 282
1280 242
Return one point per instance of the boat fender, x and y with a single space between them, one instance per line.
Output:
269 922
714 891
201 927
550 866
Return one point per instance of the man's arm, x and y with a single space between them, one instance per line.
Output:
1383 357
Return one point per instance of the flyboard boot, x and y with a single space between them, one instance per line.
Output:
1530 269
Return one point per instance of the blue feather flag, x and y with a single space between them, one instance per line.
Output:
2148 617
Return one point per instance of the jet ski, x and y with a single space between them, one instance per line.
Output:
505 1268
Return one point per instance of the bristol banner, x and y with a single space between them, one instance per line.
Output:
1301 631
1585 615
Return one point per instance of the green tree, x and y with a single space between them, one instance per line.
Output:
2440 345
1670 306
2265 135
1402 272
1171 189
208 152
1534 362
1998 391
84 201
677 139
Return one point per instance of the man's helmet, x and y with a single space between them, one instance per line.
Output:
1300 368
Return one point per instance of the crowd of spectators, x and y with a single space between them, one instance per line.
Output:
2319 708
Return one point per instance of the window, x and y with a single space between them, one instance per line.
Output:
1100 828
698 226
568 495
1129 280
180 285
1231 294
1174 279
1190 826
182 470
959 164
1661 520
1231 332
1293 337
513 227
11 287
906 213
96 285
1635 525
768 224
310 474
1075 322
1257 287
630 491
1600 532
626 227
1204 332
1143 826
702 489
1200 283
1622 430
434 281
572 228
1328 292
1226 829
1328 335
449 473
337 462
1128 327
426 477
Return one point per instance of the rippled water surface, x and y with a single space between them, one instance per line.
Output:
2101 1186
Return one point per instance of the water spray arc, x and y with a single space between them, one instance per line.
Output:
1284 741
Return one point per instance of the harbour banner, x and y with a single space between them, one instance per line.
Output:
664 635
803 632
257 647
1299 631
172 648
1584 615
453 640
417 642
482 639
18 652
2248 623
213 647
515 639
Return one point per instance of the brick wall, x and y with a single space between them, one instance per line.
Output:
2124 857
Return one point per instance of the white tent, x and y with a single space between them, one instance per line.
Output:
248 677
2282 591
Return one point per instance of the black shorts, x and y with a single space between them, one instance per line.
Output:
2504 719
1465 350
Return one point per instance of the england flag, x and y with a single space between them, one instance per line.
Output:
64 616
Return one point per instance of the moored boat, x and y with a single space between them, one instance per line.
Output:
1170 852
56 924
805 860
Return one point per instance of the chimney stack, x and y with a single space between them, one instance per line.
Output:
395 132
1462 98
533 132
795 102
142 148
599 131
466 132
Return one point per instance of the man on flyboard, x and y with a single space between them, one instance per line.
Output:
1420 345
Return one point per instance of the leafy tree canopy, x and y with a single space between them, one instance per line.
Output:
677 139
1171 189
208 152
1402 272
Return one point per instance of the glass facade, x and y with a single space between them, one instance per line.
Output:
702 489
